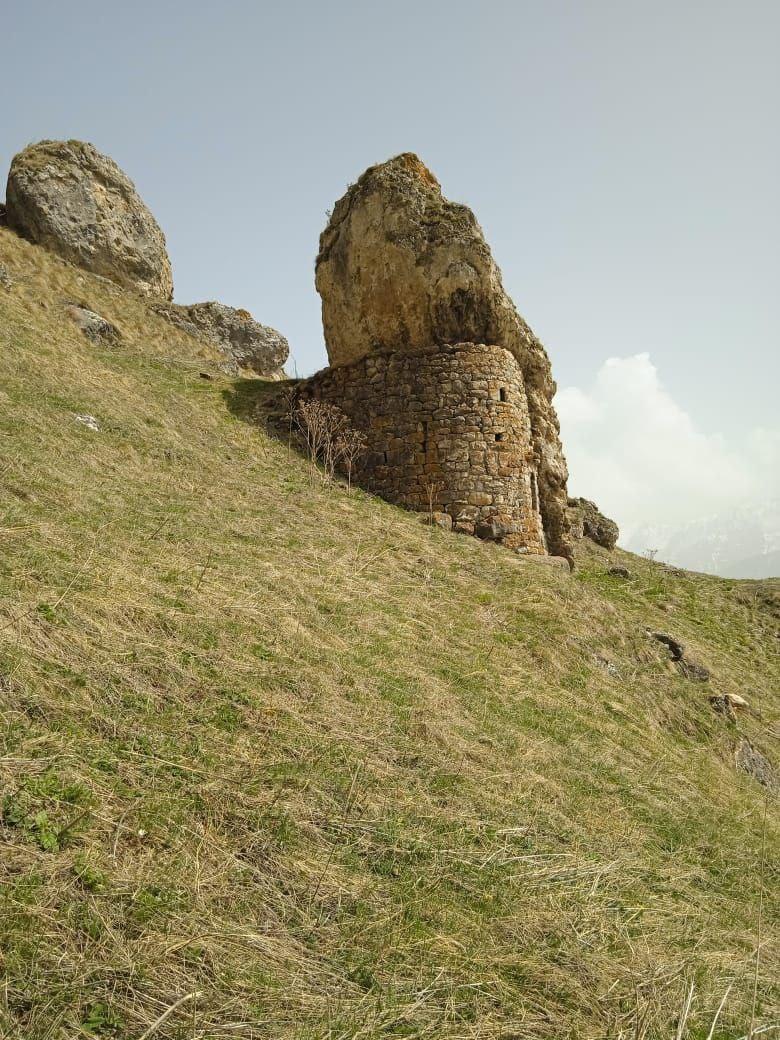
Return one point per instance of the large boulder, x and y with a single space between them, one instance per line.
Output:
245 343
76 202
401 268
587 521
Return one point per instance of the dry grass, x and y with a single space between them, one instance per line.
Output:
339 774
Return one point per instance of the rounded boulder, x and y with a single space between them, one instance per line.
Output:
74 201
246 344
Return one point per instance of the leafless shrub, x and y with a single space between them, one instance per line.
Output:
330 439
432 489
288 398
350 445
317 422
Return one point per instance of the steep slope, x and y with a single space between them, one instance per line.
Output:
338 774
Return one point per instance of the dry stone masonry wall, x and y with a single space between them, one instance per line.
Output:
448 431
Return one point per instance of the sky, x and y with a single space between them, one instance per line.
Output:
622 157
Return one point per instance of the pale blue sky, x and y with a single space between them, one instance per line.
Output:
622 157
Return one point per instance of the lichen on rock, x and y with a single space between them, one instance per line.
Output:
245 343
76 202
94 326
749 759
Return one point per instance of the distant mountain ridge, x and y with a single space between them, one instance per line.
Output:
744 543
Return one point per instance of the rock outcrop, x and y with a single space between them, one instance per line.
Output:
403 270
587 521
690 668
76 202
245 343
93 325
755 763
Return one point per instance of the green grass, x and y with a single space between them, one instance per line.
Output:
342 775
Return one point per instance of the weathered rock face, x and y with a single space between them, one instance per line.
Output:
402 269
587 521
76 202
5 278
245 343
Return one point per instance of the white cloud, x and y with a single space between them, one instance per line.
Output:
639 455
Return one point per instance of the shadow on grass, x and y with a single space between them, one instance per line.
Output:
267 406
259 401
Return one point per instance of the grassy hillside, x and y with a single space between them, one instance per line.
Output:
339 775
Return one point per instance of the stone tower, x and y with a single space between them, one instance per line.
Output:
430 358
